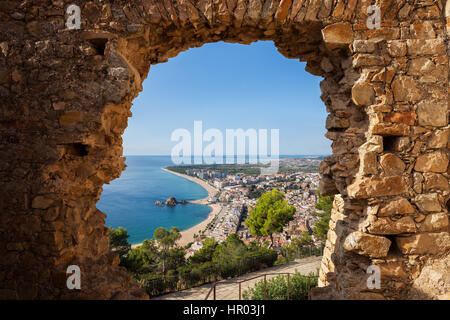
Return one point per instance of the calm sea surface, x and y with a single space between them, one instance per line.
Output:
129 201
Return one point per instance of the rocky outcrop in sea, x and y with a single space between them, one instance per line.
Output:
170 202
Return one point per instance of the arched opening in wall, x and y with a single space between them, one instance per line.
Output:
219 87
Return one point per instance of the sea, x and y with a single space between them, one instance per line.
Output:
129 201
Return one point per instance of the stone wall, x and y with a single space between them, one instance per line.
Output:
67 95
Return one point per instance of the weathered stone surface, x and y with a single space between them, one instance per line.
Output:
363 94
338 35
432 113
333 122
397 48
377 187
375 144
388 226
365 46
395 207
418 182
427 70
367 245
405 88
368 163
428 202
435 181
41 202
434 280
71 118
368 60
392 165
388 129
283 10
426 47
422 30
391 270
327 186
51 214
434 222
432 162
424 243
408 118
439 139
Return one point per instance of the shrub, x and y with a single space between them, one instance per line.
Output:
280 261
276 288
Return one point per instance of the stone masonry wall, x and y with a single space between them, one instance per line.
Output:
66 97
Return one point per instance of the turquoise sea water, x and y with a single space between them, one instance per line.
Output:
129 201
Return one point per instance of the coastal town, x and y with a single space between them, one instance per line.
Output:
234 195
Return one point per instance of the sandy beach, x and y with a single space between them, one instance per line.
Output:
188 234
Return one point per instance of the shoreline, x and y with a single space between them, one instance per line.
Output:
188 234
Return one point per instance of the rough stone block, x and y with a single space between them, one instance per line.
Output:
435 181
397 48
432 162
405 88
432 113
391 270
338 35
435 222
388 226
390 129
41 202
439 139
392 165
363 94
426 47
368 163
396 207
408 118
367 245
428 202
424 243
377 187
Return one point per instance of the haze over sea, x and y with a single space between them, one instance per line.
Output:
129 201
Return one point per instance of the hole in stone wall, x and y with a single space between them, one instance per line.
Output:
393 249
337 129
99 45
76 149
390 143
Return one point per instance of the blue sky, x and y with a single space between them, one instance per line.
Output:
229 86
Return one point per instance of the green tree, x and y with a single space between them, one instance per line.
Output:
118 241
206 252
142 259
271 213
231 249
229 256
166 240
175 259
118 237
304 240
324 206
